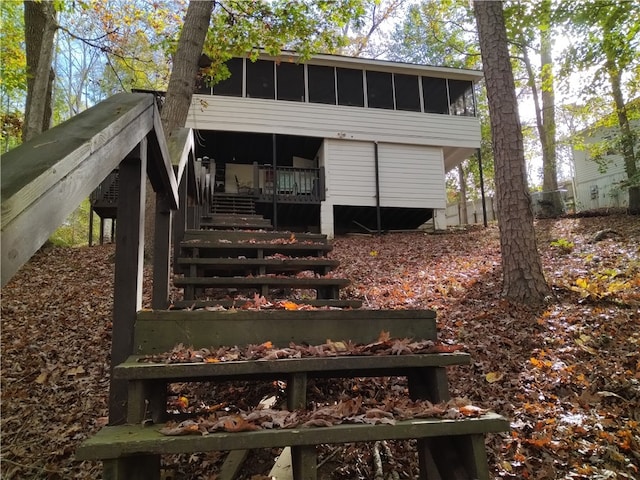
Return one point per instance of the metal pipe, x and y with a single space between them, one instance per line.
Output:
378 215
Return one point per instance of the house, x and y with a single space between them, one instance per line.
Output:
337 144
599 170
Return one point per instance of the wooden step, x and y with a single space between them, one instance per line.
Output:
233 207
266 225
256 250
257 236
235 303
125 440
316 367
232 216
255 266
235 220
325 287
158 331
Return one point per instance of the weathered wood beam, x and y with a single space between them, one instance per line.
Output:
161 253
45 179
127 293
180 145
159 167
114 442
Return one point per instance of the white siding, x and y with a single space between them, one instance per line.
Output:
210 112
411 176
350 173
596 189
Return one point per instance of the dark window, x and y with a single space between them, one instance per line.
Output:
350 88
434 91
232 86
379 90
322 84
203 84
260 78
407 93
461 95
290 82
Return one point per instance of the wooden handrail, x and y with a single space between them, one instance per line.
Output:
45 179
181 145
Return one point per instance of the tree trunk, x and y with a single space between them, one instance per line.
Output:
553 202
550 169
464 217
627 143
523 279
40 28
180 90
185 65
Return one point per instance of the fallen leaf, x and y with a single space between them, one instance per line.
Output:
493 377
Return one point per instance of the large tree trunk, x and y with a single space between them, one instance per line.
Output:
553 202
544 101
523 280
40 28
180 90
185 65
550 169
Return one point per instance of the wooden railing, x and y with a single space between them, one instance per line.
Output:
45 179
291 184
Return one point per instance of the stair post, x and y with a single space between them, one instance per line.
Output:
127 295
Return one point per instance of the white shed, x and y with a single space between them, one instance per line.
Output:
597 183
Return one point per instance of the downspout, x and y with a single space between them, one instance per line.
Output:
484 205
378 216
275 182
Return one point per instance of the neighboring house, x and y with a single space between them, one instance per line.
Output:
347 144
597 183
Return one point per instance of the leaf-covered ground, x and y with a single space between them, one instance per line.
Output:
567 374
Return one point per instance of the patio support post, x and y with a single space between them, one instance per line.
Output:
378 217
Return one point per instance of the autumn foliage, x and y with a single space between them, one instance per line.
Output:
566 374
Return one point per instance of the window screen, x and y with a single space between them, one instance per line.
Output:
461 95
290 82
350 88
232 86
260 79
322 84
407 92
434 91
379 90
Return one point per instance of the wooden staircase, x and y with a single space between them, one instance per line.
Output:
233 212
229 268
232 203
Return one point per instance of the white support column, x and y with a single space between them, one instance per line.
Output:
439 219
326 219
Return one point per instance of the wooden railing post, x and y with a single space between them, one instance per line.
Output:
256 179
180 218
127 296
161 253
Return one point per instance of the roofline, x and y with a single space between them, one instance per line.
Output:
379 65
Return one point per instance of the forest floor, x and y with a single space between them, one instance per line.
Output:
567 375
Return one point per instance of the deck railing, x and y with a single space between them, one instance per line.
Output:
45 179
289 184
